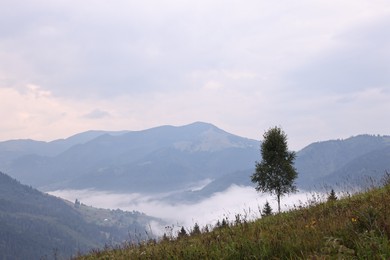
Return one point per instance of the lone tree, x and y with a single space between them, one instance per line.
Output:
275 173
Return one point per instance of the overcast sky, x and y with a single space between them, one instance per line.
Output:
319 69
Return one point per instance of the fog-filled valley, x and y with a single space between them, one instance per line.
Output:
227 204
176 176
174 129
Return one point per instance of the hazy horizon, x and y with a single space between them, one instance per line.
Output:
129 130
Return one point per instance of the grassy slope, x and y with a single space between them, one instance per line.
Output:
356 227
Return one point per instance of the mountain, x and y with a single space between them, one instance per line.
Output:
12 149
34 225
332 162
186 163
356 161
178 160
365 168
154 160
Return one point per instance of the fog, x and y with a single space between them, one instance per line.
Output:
235 200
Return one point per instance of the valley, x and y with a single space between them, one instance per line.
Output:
140 182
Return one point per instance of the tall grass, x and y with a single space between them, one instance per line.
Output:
354 227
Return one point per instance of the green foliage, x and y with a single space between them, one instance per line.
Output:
275 173
195 230
355 227
182 233
332 195
267 210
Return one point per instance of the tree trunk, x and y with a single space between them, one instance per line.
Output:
278 195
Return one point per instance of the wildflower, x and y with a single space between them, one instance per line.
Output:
312 224
354 220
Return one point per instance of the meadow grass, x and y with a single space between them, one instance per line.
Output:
354 227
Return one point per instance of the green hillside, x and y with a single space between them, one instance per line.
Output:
354 227
35 225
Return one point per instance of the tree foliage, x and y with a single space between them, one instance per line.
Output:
332 196
267 210
182 233
195 230
275 173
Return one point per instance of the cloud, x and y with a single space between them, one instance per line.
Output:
33 112
235 200
357 61
96 114
96 48
242 66
32 104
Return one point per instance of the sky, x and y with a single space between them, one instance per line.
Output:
318 69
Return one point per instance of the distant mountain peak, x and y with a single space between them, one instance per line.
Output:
200 126
210 139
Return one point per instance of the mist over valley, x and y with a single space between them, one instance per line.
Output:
158 180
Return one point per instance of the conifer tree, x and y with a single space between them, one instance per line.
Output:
182 233
267 210
332 196
195 230
224 222
218 224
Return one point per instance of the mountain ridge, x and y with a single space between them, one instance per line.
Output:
167 153
167 158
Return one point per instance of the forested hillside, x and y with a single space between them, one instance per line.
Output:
34 225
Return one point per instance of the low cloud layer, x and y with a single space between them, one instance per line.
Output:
235 200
